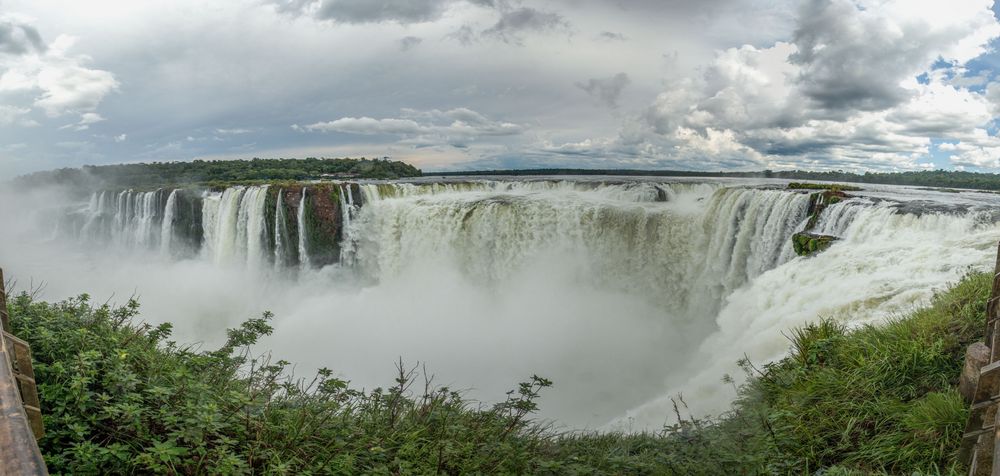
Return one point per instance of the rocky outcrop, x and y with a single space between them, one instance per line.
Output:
819 201
807 244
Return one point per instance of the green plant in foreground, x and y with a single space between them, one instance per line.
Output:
119 397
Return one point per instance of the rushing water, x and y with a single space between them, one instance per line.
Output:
623 292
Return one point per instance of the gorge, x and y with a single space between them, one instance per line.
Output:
623 291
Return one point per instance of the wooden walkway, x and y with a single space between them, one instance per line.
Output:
20 413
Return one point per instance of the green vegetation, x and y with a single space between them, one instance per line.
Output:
806 244
120 397
834 187
219 172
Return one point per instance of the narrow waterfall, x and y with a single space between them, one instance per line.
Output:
347 243
280 232
303 232
167 226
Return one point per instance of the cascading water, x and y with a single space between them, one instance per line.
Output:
685 258
167 226
131 221
303 232
280 232
234 226
701 272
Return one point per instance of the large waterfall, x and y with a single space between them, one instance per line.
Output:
650 288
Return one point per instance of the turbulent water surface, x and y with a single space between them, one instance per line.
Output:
623 291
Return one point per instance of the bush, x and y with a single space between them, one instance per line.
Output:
119 397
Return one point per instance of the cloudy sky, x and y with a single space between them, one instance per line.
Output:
474 84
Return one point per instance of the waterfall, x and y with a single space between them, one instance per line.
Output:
687 253
280 232
676 280
347 243
303 232
167 226
233 225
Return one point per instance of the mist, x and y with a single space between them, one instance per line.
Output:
623 301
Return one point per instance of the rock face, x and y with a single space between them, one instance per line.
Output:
322 221
819 201
806 244
976 356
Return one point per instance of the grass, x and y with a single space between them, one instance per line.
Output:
119 397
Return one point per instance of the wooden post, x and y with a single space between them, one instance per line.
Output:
19 452
4 315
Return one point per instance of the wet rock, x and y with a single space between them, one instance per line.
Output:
807 244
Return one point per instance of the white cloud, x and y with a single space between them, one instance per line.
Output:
10 115
453 126
843 92
62 81
234 131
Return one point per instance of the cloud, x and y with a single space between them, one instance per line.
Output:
842 94
408 42
453 127
611 36
63 82
854 58
86 119
606 90
121 138
18 38
235 131
366 11
10 115
513 23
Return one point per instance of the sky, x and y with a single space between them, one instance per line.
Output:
882 85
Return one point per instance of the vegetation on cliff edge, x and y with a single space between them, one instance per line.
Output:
119 396
218 172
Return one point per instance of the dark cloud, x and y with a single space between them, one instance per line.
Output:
611 36
374 11
606 90
408 42
463 35
513 23
366 11
852 61
18 38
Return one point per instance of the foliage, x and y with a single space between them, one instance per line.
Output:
119 397
218 172
835 187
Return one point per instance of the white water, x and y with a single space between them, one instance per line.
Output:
303 233
167 226
624 294
280 232
233 226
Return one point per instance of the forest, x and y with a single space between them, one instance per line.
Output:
158 174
